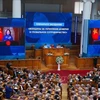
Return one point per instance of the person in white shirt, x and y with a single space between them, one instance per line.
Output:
59 46
30 75
45 46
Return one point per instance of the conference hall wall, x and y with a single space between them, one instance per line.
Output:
48 28
91 38
16 34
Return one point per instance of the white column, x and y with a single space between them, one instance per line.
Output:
1 5
94 9
87 6
16 8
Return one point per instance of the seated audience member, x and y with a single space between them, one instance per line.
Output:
8 91
15 73
99 86
47 98
59 46
45 46
36 98
30 75
94 97
41 85
52 46
75 98
24 86
1 88
56 96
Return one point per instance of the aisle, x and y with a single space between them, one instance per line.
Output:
64 92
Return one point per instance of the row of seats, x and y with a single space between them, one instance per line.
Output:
84 87
22 84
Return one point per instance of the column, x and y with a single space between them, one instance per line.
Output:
16 8
1 5
94 10
87 6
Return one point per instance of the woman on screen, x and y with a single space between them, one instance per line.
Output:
8 36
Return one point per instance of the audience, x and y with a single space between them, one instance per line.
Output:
8 91
84 87
30 84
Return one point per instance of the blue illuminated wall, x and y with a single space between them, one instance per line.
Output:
49 28
16 48
93 48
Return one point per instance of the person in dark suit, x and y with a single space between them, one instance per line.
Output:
99 86
41 86
56 96
94 97
36 98
8 65
95 62
8 90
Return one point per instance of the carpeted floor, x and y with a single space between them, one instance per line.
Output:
64 73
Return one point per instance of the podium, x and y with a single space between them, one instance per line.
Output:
50 60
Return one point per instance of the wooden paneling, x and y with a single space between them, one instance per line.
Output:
30 53
21 63
66 50
14 62
84 63
98 62
36 64
55 51
28 63
38 53
50 61
66 60
74 50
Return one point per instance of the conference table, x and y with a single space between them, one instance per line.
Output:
55 51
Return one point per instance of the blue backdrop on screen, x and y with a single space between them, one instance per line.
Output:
49 28
93 45
12 42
